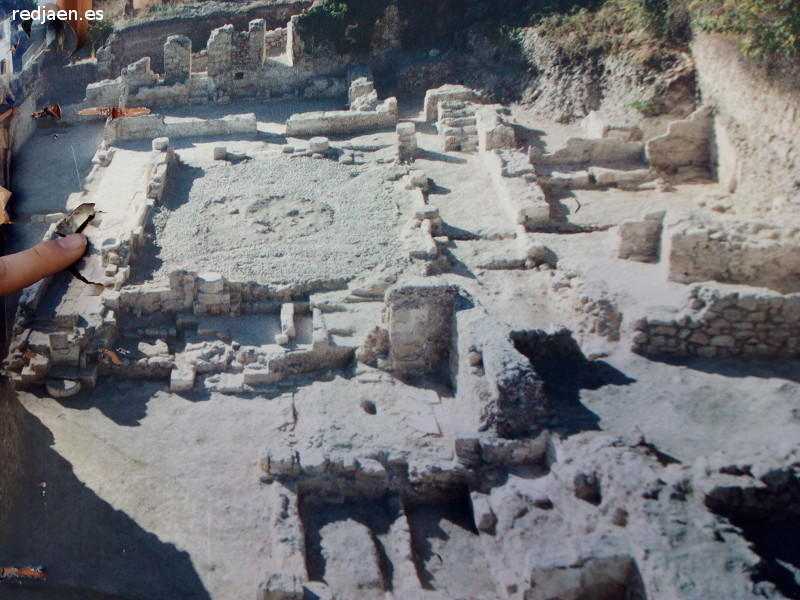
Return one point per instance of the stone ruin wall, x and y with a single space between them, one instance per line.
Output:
746 301
139 40
723 322
735 252
239 64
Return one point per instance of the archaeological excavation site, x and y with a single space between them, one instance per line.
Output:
391 299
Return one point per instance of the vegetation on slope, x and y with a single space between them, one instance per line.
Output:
767 28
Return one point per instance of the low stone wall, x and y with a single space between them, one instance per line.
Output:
420 316
735 252
244 124
446 93
515 184
200 293
590 151
723 321
140 39
687 143
341 122
641 240
457 127
494 132
83 324
153 126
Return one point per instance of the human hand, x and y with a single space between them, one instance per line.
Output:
24 268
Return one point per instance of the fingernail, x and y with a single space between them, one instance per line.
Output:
72 242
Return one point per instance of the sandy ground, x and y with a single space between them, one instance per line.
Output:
276 219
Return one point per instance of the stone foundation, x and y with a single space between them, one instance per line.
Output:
724 321
446 93
736 252
341 122
420 316
687 143
152 126
515 185
641 240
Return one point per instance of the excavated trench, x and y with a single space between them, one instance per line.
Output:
395 543
769 518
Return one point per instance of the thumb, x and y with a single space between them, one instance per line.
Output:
24 268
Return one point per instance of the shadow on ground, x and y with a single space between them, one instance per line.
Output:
124 401
559 362
90 550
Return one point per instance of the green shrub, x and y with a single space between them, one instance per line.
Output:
647 108
98 32
768 28
162 7
667 20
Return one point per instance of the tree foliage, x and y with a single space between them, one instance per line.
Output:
98 32
768 28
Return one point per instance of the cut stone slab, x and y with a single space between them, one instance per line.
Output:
319 144
155 349
182 378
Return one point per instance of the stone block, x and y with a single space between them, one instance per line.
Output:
687 143
359 88
446 93
418 178
181 378
160 144
257 374
407 141
281 461
641 240
63 388
287 320
607 177
341 122
492 129
209 282
59 340
319 144
217 299
412 304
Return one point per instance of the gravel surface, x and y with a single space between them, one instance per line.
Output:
278 219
